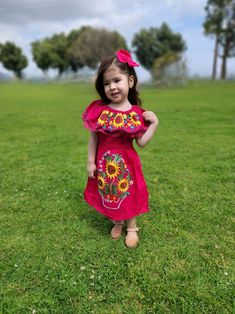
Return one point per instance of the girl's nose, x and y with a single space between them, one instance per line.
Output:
112 85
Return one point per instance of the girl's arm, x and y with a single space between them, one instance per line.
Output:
146 137
92 148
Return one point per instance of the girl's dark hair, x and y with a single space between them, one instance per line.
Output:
133 95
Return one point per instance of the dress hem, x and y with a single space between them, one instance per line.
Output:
115 218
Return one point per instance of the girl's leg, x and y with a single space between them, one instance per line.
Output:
131 223
132 236
116 231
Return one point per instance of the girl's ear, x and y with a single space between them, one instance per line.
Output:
131 81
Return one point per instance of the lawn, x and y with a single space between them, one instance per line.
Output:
56 255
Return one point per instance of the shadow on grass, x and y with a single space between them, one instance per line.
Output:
96 222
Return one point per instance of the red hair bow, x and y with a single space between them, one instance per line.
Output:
125 57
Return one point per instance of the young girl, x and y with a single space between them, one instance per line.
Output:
116 187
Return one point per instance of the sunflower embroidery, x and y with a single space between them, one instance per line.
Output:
101 182
118 120
135 120
123 185
110 120
112 169
102 118
114 180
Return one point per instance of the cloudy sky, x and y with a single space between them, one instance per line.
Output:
23 21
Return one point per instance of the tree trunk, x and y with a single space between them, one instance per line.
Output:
45 72
18 74
223 68
224 59
213 77
229 37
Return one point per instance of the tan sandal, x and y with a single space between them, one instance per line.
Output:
132 238
116 231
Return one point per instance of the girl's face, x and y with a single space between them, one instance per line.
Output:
117 84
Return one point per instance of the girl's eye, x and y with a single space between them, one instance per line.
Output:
106 83
116 81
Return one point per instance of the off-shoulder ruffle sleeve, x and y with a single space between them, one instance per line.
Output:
98 117
91 115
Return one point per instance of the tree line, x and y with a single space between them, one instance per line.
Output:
87 46
82 47
155 48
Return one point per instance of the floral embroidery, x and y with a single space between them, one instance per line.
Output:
123 185
112 169
103 117
135 118
114 180
101 182
118 121
111 120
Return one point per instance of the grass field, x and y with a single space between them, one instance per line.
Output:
56 255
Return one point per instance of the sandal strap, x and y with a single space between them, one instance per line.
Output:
118 223
133 229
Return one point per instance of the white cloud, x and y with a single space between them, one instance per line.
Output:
24 12
185 7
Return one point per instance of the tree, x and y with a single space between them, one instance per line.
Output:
220 22
227 38
12 58
59 58
51 53
91 45
213 26
151 44
74 60
41 51
170 69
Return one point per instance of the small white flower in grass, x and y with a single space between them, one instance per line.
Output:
226 274
92 277
75 283
82 268
34 311
92 283
16 265
65 191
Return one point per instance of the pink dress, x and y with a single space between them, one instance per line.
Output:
119 190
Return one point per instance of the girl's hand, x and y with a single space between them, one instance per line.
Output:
151 117
91 170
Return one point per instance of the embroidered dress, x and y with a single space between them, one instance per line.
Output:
119 190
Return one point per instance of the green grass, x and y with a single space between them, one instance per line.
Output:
56 255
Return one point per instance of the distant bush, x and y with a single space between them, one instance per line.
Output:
170 70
